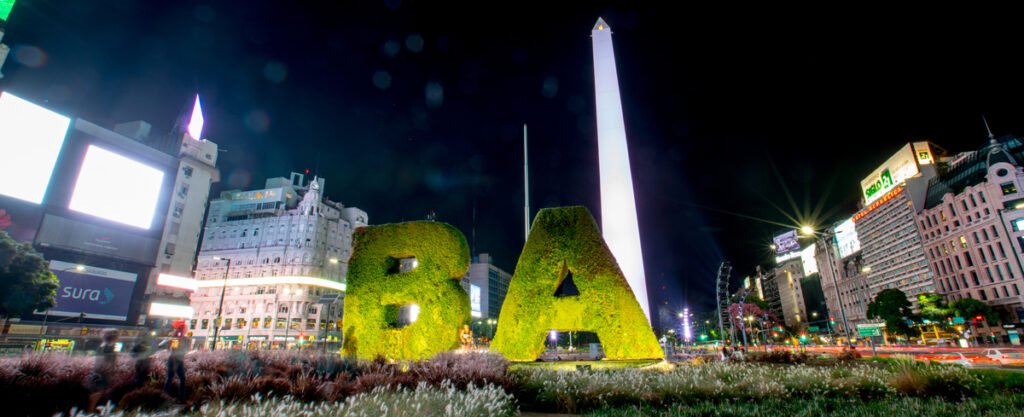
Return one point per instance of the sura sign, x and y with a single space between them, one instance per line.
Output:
563 242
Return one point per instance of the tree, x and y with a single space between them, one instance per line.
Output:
26 284
969 308
891 305
933 307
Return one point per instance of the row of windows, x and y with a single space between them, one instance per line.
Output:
266 322
992 293
946 285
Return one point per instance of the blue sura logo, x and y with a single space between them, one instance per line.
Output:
103 297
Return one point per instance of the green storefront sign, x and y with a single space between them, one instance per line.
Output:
813 329
884 182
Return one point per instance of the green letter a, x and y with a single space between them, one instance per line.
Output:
378 283
565 240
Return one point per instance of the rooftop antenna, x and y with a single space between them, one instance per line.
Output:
991 137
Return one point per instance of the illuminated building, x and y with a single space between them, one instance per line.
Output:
788 274
55 192
973 226
487 286
851 277
891 248
288 247
618 205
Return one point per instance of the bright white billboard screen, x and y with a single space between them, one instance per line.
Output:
30 140
117 188
846 238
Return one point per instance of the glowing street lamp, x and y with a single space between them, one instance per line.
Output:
807 230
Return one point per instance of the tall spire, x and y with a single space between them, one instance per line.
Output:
618 205
991 137
195 124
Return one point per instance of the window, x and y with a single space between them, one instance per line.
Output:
227 324
995 232
974 277
985 234
967 256
282 309
942 286
183 191
963 242
179 208
959 265
1008 187
1006 293
981 253
1016 291
256 232
974 203
987 212
981 294
982 195
186 171
988 271
976 238
206 324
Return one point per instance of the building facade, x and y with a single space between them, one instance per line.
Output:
791 297
973 227
487 286
844 267
891 247
273 263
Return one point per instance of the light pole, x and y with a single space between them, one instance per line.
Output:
809 231
220 306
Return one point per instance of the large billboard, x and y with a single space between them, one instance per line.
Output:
5 9
893 172
99 293
63 233
786 243
31 138
117 188
810 263
846 238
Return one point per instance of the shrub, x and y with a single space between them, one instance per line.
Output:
375 287
145 399
562 241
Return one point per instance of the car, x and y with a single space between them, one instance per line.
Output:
1001 356
956 359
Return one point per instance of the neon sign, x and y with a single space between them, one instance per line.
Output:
884 182
877 203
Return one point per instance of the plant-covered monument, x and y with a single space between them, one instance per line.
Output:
438 257
421 263
566 241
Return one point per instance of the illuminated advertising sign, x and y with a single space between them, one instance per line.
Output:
808 260
474 299
114 187
877 203
846 238
923 153
30 141
786 242
5 9
893 172
99 293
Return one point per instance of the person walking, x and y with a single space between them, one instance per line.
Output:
102 375
176 345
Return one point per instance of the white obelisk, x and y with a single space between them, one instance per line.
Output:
618 206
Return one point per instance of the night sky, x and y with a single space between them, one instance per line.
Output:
739 123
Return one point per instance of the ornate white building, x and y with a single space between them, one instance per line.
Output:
284 250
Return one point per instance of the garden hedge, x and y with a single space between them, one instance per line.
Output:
374 284
564 240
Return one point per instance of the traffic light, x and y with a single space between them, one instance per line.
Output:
832 321
949 321
803 337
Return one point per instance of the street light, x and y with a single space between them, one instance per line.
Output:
809 231
220 306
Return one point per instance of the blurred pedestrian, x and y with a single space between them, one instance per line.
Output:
140 352
176 345
102 375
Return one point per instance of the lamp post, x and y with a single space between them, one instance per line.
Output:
809 231
220 306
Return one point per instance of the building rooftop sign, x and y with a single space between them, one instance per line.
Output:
893 172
